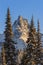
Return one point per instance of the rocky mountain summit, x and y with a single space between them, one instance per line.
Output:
20 28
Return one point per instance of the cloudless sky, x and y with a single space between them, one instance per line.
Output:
25 8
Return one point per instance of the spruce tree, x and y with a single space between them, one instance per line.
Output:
9 44
33 42
38 54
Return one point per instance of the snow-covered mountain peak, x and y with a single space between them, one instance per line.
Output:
20 28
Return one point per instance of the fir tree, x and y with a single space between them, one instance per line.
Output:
38 54
33 42
9 47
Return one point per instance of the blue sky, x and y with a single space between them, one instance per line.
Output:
25 8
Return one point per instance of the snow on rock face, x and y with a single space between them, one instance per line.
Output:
20 44
20 28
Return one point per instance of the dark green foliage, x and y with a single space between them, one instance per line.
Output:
10 53
32 36
38 49
8 30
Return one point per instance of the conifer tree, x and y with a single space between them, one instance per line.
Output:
38 54
9 47
33 42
